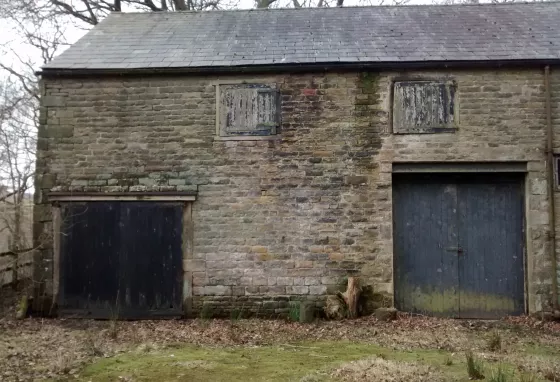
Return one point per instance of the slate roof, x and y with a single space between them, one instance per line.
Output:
518 31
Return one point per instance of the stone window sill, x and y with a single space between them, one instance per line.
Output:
250 138
433 130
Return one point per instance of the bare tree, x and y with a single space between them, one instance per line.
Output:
33 39
17 155
19 107
322 3
86 13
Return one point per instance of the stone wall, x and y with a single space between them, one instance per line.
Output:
291 216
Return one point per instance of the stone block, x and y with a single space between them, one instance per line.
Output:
46 181
284 280
53 101
176 182
312 281
297 289
538 186
59 131
356 180
386 314
306 311
79 182
147 181
217 290
42 213
318 289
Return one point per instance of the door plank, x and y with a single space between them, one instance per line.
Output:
89 261
121 260
425 229
151 252
491 235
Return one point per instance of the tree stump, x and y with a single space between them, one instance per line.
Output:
345 304
351 296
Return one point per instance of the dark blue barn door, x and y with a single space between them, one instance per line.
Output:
459 245
121 259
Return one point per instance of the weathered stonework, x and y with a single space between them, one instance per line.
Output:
288 217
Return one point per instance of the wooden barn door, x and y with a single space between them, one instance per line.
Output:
491 220
425 246
459 245
121 259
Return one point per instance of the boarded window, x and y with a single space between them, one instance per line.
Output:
423 107
248 109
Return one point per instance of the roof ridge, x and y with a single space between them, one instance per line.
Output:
479 5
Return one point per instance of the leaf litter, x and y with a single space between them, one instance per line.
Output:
36 349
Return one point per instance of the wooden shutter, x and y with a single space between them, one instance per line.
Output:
249 109
423 107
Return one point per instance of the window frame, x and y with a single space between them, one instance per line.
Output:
454 105
218 133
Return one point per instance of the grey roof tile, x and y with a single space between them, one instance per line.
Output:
517 31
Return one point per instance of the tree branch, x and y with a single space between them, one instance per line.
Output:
73 12
90 11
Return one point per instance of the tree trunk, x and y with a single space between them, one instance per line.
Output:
16 240
14 270
180 5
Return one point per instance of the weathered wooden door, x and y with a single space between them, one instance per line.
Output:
121 259
458 245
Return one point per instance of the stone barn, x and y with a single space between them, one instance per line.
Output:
239 160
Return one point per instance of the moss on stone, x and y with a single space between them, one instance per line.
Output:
368 82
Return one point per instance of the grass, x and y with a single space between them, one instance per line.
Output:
494 343
475 367
271 363
267 363
294 313
541 350
527 378
500 375
206 313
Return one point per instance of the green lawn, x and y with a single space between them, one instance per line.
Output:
310 361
